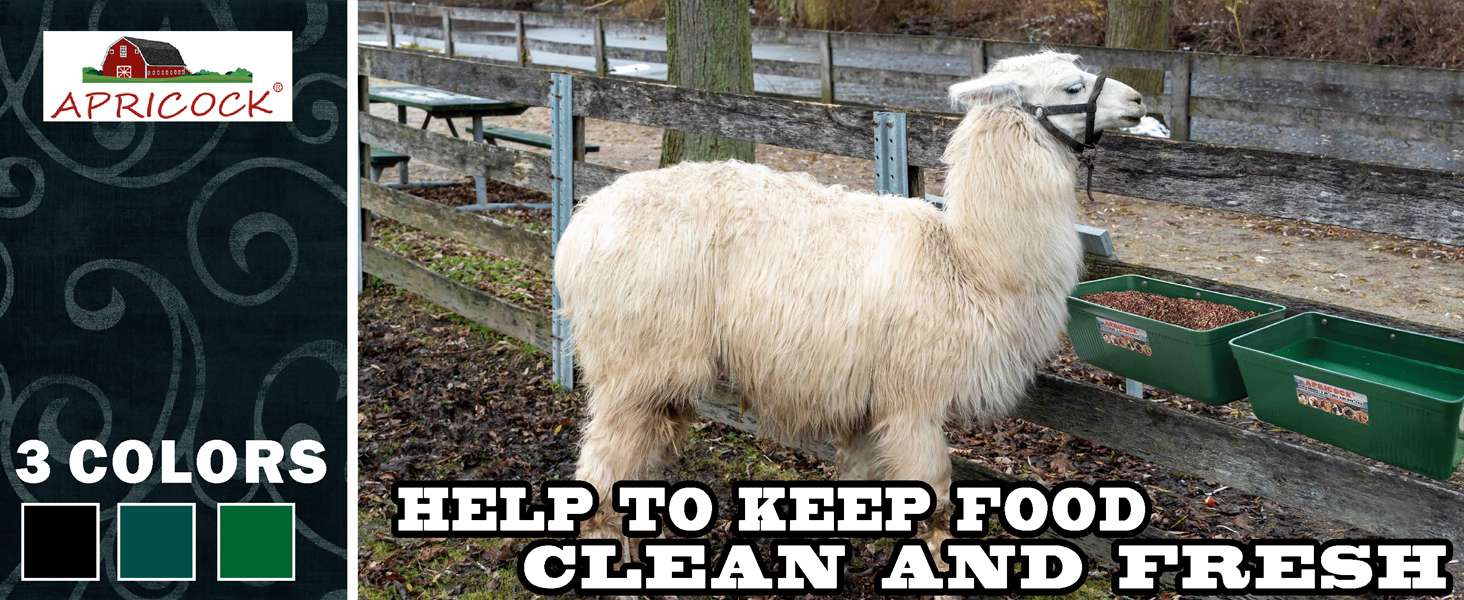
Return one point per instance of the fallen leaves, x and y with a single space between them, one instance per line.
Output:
1382 243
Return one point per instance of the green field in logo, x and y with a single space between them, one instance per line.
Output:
89 78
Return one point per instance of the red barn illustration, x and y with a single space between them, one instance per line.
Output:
143 59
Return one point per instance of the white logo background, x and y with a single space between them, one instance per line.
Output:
267 54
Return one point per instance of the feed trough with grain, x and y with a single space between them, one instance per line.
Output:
1173 337
1384 393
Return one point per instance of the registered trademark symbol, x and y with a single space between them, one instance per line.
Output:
279 87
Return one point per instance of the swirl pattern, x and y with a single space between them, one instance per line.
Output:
176 281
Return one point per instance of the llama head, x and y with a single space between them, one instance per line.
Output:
1051 79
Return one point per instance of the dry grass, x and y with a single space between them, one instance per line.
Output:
1424 33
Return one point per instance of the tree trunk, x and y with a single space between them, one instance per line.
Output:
708 47
1141 25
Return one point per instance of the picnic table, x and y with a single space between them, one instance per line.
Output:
447 106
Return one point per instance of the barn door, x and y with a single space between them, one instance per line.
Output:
124 72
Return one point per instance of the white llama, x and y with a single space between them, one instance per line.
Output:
866 320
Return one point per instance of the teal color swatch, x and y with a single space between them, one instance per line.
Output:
155 542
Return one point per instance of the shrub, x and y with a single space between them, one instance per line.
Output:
90 71
241 71
1421 33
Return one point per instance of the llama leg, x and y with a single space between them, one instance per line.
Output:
916 450
857 458
625 441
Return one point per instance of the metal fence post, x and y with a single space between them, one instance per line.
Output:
480 182
1097 241
562 151
891 166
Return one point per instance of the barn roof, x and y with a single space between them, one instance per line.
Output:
157 54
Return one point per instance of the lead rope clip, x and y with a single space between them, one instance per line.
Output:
1087 160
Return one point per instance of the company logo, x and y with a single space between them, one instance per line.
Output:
168 76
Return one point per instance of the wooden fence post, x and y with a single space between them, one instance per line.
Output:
1179 94
522 42
448 49
363 99
916 179
390 25
602 63
402 170
826 67
978 59
577 127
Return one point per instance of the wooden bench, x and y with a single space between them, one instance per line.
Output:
383 159
525 137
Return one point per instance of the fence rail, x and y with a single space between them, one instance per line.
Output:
504 239
1413 203
1327 105
1315 478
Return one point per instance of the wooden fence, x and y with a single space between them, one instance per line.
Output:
1315 478
1327 101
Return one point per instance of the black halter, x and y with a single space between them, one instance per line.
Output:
1090 137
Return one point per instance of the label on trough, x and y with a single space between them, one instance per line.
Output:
1343 403
1125 336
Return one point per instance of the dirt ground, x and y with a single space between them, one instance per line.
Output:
443 398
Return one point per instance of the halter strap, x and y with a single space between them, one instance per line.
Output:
1090 137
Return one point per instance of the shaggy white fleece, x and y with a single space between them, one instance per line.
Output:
868 320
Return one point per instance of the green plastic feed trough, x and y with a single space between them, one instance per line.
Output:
1185 361
1383 393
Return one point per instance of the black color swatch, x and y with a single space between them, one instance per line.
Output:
60 541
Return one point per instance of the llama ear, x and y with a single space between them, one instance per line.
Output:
984 91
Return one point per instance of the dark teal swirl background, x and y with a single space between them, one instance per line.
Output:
176 281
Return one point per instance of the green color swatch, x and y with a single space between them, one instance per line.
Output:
155 541
257 541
